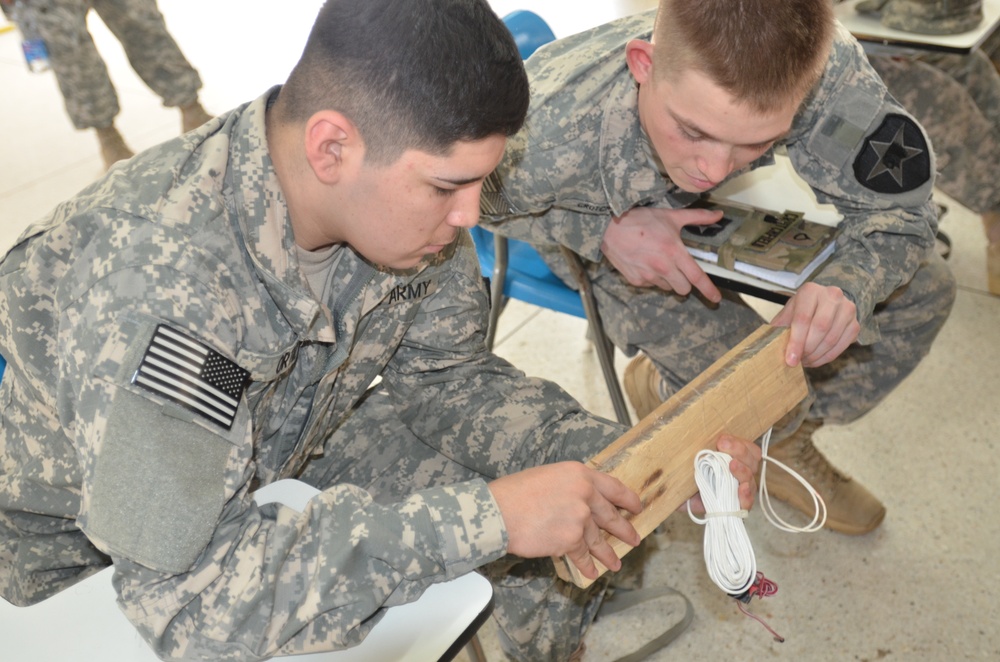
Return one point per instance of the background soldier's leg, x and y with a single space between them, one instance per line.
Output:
155 55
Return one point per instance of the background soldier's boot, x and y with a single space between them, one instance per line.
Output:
993 267
642 385
113 147
851 509
193 116
991 223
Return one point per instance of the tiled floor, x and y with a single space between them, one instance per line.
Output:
920 588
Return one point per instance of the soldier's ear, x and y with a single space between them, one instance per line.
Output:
332 144
639 55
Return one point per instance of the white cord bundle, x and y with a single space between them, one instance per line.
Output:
819 518
728 554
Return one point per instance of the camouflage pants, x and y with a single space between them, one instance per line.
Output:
539 617
683 336
90 97
957 100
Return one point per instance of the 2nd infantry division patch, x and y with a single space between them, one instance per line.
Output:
185 371
895 158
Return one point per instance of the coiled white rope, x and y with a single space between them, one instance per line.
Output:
819 518
728 553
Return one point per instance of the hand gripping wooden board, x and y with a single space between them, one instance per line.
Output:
742 394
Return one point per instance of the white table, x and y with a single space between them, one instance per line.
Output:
876 38
83 623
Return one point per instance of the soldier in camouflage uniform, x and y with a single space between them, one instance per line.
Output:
623 131
90 97
957 99
209 318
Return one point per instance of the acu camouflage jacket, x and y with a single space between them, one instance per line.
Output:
187 249
583 158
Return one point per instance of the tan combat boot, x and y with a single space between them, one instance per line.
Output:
991 223
851 509
642 385
113 147
193 116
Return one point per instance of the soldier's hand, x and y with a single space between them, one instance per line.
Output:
562 510
744 466
823 322
644 245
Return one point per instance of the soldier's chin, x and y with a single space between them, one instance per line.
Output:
691 184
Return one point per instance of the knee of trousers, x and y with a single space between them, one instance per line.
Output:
924 303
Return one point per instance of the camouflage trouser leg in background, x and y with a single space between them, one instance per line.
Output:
957 100
90 97
540 617
683 336
991 48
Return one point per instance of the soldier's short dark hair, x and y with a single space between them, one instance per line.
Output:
410 74
763 52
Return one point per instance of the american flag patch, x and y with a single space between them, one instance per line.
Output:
491 200
187 372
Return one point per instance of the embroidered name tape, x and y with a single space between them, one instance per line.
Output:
187 372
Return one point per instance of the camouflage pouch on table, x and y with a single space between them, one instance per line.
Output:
777 241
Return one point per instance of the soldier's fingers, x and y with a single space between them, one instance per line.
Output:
580 555
603 552
844 332
682 217
788 316
832 353
746 493
695 277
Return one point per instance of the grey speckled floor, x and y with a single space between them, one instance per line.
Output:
920 588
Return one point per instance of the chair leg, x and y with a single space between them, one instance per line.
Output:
474 649
497 283
605 348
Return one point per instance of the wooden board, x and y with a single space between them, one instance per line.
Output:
742 394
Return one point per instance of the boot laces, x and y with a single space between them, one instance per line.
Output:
814 467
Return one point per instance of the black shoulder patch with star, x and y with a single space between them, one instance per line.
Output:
895 158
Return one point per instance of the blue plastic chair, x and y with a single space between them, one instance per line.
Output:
517 271
530 31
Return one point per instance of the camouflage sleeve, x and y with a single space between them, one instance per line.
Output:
474 406
580 158
545 193
201 571
861 151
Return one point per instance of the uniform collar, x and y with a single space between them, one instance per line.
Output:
630 172
262 214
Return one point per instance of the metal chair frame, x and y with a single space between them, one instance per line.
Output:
499 274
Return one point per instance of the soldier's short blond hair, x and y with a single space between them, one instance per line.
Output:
763 52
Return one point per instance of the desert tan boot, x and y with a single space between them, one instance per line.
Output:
642 385
993 268
193 116
851 509
113 147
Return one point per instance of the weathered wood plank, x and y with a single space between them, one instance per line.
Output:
743 394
